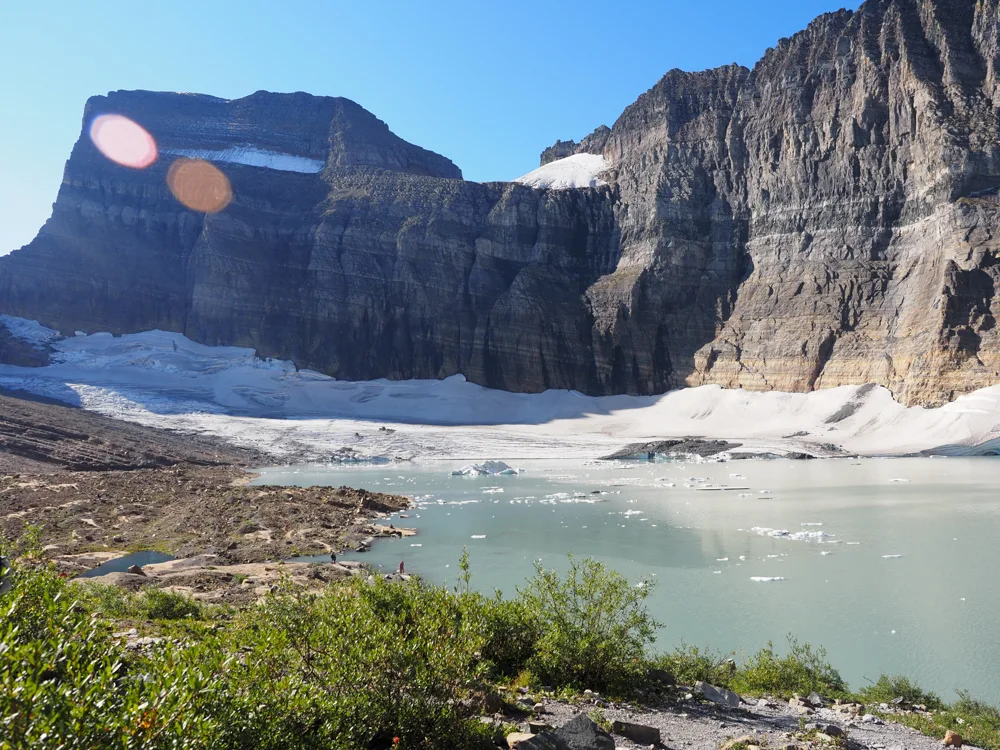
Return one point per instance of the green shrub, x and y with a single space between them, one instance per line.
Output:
157 604
976 721
66 685
689 664
108 600
802 670
355 667
594 627
887 689
511 633
152 604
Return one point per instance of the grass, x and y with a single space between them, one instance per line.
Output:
690 664
803 669
976 721
597 716
888 688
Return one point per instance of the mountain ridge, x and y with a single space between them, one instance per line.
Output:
816 220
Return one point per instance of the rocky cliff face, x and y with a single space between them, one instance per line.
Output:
823 219
592 144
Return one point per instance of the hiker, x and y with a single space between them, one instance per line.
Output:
333 557
401 567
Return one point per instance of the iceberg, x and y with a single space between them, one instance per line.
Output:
486 469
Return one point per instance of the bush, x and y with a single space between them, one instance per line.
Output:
356 666
802 670
108 600
151 604
157 604
511 633
65 684
887 689
689 664
594 627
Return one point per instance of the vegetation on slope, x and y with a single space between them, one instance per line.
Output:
359 665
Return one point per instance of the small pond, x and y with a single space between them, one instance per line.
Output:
122 564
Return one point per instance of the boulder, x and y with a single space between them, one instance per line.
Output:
135 570
661 676
952 739
638 733
718 695
829 729
581 733
515 739
528 741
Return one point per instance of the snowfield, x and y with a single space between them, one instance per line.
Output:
163 379
577 171
253 157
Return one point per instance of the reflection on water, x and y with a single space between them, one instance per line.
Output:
890 564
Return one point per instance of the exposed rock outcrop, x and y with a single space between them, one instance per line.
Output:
825 218
592 144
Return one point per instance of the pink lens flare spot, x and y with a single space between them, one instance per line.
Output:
123 141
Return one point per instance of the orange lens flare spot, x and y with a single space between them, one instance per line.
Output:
123 141
199 185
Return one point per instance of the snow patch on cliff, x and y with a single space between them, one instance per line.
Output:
253 157
577 171
163 379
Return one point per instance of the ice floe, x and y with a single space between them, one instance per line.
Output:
766 579
485 469
794 536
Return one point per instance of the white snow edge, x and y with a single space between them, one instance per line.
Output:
576 171
163 379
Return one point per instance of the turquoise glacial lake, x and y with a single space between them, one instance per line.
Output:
891 564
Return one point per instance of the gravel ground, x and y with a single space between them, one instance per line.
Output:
699 726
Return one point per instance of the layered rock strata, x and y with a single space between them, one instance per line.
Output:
825 218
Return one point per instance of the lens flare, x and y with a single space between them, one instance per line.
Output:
199 185
123 141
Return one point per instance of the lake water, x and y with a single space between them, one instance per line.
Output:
122 564
891 564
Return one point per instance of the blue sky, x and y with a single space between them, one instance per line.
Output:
488 84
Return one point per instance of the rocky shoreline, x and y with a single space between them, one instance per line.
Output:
700 717
98 489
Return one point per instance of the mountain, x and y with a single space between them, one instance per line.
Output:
829 217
